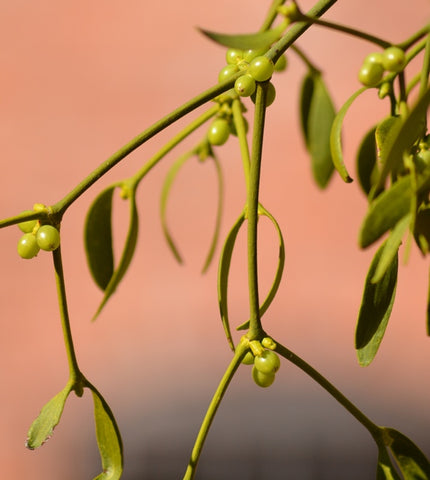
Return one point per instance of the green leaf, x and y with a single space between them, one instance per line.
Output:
108 439
165 191
42 428
336 136
401 137
127 253
246 41
317 114
391 247
412 462
215 236
386 130
98 238
375 310
366 161
422 229
385 211
386 470
223 273
279 269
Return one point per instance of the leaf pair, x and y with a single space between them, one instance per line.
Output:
409 459
317 114
224 271
107 432
99 242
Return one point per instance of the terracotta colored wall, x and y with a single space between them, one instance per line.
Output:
79 79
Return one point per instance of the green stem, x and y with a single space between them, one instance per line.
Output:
271 15
212 409
239 124
255 328
348 30
424 79
298 29
373 429
414 38
188 130
74 371
140 139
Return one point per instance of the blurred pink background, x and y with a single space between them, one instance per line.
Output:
80 79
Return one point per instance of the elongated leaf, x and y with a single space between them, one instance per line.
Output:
366 161
215 236
165 191
386 470
422 229
402 137
336 137
375 310
385 211
412 462
108 439
386 131
320 119
279 269
306 94
126 256
391 247
98 238
223 273
245 41
42 428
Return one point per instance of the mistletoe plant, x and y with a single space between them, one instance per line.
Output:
393 165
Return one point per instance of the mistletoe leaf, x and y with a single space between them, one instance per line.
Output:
108 439
42 428
336 137
245 41
375 310
126 256
366 161
223 274
98 238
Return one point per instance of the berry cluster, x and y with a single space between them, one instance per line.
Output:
265 366
392 59
37 237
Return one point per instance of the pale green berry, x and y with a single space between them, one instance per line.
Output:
27 246
245 85
48 238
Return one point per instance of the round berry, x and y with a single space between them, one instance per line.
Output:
393 59
248 359
374 57
262 379
245 85
281 64
251 54
227 72
371 74
29 225
270 95
219 131
48 238
267 362
261 68
234 56
27 246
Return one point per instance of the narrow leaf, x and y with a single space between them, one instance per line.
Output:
167 185
320 119
108 439
391 247
42 428
98 238
279 269
366 161
386 132
402 137
223 273
385 211
386 470
375 310
306 94
422 229
412 462
336 137
258 40
215 236
126 256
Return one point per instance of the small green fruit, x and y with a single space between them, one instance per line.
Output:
48 238
27 246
